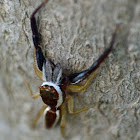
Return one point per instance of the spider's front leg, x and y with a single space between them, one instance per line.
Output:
77 88
39 59
91 72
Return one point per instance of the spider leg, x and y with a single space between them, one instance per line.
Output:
71 107
36 39
76 88
39 59
34 96
63 119
77 77
39 114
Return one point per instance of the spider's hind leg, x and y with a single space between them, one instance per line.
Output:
63 119
71 107
39 114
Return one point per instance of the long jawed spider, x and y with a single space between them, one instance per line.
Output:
56 85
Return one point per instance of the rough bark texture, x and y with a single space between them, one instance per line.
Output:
75 33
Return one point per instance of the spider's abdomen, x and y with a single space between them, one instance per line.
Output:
51 116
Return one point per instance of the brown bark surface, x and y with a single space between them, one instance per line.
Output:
74 33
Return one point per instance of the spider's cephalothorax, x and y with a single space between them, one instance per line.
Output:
50 89
56 84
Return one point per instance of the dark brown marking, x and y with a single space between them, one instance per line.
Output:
50 118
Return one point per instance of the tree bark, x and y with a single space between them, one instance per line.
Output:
74 33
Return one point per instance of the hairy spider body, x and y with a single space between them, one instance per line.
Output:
56 84
51 92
